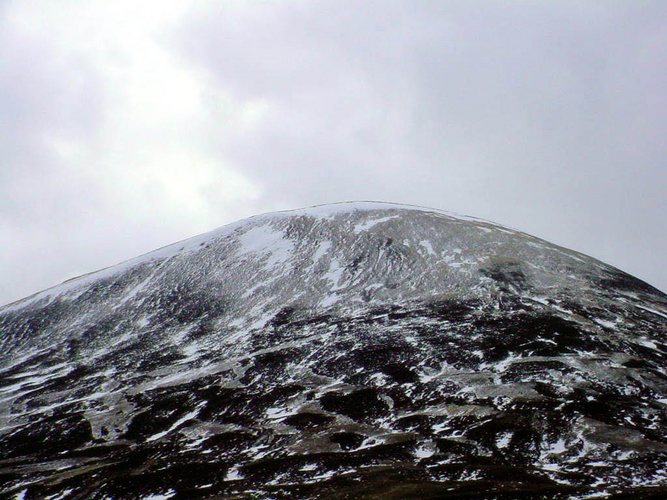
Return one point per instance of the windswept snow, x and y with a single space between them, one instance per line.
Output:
366 225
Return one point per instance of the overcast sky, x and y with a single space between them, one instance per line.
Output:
128 125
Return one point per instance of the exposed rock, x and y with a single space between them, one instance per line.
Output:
351 350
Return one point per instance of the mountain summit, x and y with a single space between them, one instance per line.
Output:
349 350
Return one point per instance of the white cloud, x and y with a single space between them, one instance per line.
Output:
146 167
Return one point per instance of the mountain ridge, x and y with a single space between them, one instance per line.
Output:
298 353
322 210
364 205
358 205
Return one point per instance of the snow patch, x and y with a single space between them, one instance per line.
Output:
264 240
335 274
429 248
234 474
605 323
366 225
178 422
322 249
425 450
161 496
647 343
648 309
503 440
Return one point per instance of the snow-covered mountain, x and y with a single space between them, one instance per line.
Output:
345 350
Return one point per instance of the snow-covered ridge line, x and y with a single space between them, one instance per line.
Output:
327 211
361 212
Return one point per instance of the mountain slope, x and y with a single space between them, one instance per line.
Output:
351 348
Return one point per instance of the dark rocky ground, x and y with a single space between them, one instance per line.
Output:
507 393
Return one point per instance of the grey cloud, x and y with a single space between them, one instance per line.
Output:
544 116
41 199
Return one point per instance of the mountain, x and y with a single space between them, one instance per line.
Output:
355 350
